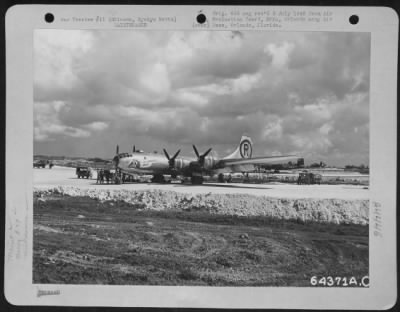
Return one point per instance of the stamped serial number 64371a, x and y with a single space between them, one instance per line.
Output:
339 281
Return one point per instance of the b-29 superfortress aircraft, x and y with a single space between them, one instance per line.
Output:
139 163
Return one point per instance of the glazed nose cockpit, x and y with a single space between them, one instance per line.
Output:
119 155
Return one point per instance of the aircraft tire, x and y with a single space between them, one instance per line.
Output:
158 179
197 180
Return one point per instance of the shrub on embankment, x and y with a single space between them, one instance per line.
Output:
337 211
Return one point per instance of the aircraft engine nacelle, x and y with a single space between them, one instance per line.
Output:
197 166
181 163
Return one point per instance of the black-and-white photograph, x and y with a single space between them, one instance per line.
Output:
201 158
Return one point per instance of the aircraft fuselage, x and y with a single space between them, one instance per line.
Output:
194 167
151 163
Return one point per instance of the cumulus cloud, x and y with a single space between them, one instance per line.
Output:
280 53
96 126
305 93
47 124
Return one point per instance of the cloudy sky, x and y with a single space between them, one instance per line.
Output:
292 92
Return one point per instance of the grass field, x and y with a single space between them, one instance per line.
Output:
79 240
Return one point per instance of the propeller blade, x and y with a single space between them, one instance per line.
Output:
206 153
171 160
117 150
196 152
176 154
201 158
166 154
116 161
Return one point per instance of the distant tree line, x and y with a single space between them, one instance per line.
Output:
321 164
46 157
362 166
97 159
287 166
49 157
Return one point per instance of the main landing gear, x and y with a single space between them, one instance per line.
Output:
196 180
158 178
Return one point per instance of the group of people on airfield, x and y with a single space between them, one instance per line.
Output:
104 175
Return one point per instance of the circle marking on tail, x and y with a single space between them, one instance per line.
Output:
245 149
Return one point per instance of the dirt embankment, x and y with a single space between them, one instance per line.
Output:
338 211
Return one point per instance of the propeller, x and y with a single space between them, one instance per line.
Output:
201 158
116 157
171 160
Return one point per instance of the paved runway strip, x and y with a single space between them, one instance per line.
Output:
63 176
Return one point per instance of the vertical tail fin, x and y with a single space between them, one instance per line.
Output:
244 150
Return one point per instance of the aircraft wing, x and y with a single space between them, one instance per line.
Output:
258 160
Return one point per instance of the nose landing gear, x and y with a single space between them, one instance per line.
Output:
118 177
